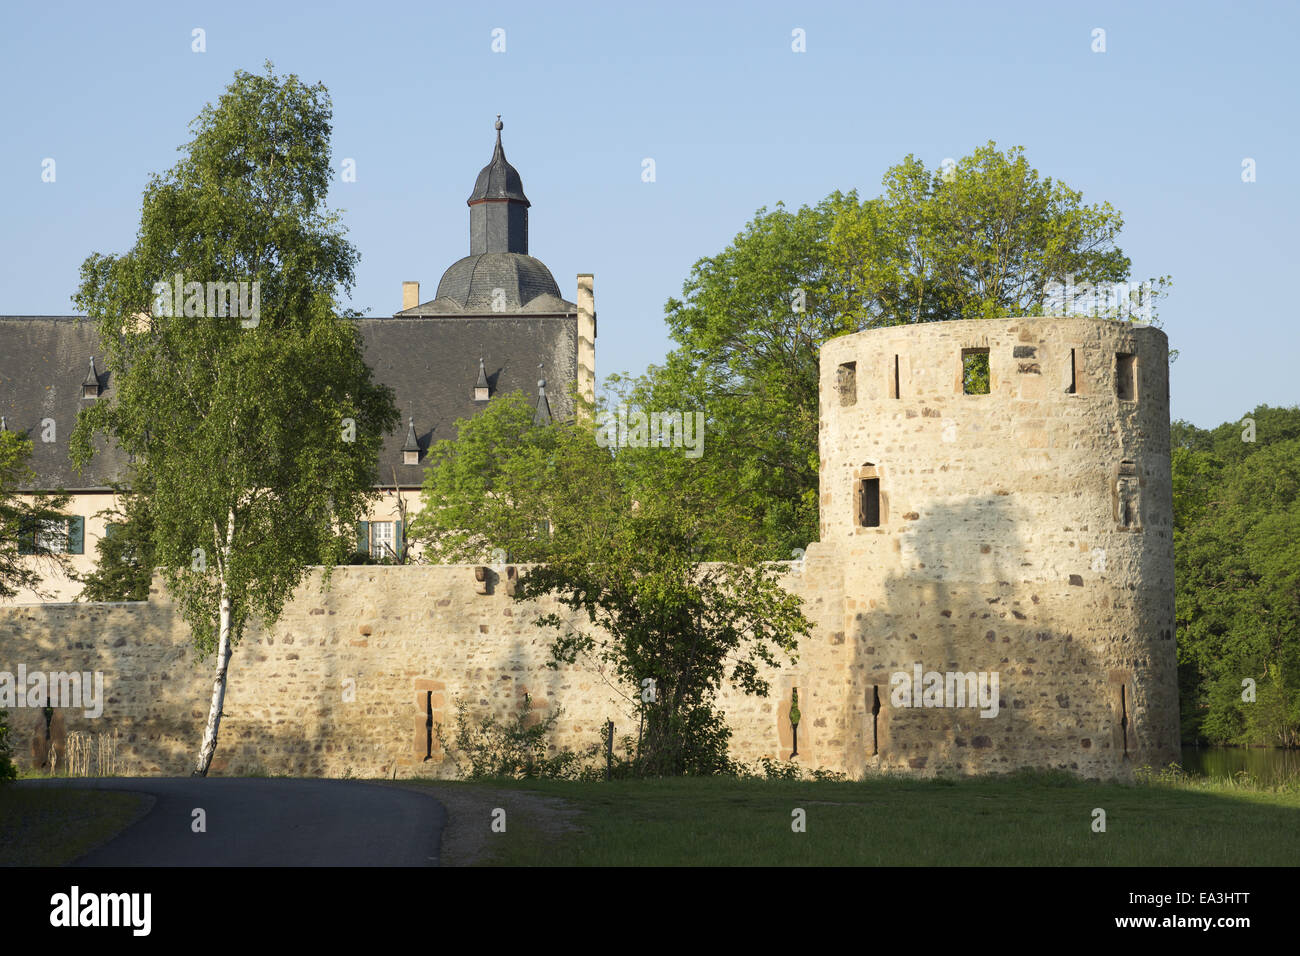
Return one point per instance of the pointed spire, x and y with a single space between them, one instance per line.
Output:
90 385
498 218
411 449
543 414
482 390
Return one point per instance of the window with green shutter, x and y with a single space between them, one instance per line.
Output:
27 537
363 537
76 535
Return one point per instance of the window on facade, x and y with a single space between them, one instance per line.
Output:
1071 377
869 503
1126 376
846 380
52 537
975 371
893 381
383 540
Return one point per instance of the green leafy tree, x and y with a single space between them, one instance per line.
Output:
254 436
125 564
1237 563
624 553
25 553
984 238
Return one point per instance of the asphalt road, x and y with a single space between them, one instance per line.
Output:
269 822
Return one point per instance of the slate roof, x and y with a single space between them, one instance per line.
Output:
431 363
469 286
498 179
43 362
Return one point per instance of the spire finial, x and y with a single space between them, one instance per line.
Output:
542 415
498 125
412 444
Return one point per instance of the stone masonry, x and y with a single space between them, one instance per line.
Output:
1025 533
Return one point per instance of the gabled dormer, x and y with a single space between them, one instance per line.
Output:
411 449
90 386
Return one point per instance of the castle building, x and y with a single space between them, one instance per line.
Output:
496 324
993 589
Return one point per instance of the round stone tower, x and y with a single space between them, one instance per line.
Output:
997 497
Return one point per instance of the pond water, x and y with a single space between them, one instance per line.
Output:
1268 765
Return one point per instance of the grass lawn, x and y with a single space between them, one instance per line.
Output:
1022 820
50 827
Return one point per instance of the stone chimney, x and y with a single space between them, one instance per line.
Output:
586 337
410 295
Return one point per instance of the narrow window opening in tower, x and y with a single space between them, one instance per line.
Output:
846 380
869 503
1126 376
893 385
1123 716
875 719
975 371
1071 382
428 725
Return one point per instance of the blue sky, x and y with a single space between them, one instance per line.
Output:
1158 125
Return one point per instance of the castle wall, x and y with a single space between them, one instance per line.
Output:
344 682
1024 534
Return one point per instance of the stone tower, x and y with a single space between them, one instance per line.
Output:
1024 533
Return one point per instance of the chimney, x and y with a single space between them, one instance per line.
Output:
410 295
586 338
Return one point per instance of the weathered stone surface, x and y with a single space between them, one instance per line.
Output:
975 522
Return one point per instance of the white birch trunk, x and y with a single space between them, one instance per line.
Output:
209 745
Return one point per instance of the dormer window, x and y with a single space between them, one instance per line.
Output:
90 387
481 388
411 449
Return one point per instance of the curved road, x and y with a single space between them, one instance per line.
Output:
269 822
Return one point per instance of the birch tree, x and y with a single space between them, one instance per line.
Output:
255 433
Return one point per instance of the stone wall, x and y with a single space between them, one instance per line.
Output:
342 684
1025 533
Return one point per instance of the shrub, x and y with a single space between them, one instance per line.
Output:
7 769
486 747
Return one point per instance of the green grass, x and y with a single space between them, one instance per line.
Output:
1020 820
52 827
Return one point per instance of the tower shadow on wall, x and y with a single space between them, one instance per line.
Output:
968 596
